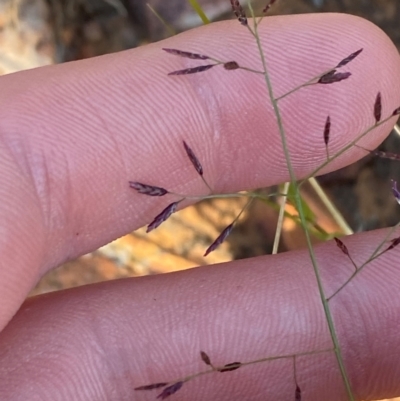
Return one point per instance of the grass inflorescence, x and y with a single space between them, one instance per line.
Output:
336 75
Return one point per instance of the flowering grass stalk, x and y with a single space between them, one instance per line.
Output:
333 76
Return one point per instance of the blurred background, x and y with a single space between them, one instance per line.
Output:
41 32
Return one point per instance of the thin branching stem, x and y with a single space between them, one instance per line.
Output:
299 206
376 254
214 369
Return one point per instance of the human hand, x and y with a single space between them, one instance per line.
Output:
73 135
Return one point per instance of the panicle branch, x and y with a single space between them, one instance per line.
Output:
205 358
152 190
297 393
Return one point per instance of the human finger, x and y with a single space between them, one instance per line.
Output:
99 342
73 135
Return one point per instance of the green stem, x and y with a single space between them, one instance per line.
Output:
299 206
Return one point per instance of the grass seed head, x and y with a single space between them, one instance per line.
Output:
349 58
181 53
220 239
151 386
332 77
193 70
327 130
230 366
239 12
378 108
145 189
172 389
164 215
268 6
205 358
193 158
231 65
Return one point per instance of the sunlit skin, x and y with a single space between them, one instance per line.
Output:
73 136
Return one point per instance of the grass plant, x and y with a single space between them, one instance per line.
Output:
332 76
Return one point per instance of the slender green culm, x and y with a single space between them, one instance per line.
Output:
299 206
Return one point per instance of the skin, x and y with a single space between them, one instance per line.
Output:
73 135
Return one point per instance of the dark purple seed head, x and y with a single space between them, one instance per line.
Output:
151 386
394 243
341 246
181 53
349 58
297 393
145 189
332 77
220 239
396 112
170 390
195 161
205 358
193 70
164 215
239 12
327 130
230 366
378 108
231 65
